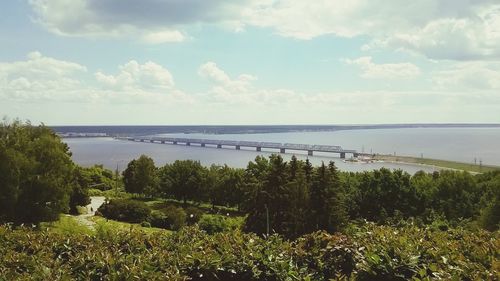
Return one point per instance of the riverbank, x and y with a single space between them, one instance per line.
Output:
469 167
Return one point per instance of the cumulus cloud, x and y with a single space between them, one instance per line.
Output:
459 39
40 78
152 20
477 75
133 75
444 29
226 88
163 37
372 70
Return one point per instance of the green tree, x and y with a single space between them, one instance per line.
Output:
36 173
298 207
268 205
224 185
140 177
184 180
327 208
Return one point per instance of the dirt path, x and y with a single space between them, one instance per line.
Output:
95 203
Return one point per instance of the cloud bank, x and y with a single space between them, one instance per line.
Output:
445 29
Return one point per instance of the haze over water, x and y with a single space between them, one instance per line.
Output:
458 144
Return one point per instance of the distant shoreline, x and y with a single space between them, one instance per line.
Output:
246 129
447 164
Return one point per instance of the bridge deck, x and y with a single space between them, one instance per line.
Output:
275 145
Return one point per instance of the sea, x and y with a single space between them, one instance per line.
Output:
473 144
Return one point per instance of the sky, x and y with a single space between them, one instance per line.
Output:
216 62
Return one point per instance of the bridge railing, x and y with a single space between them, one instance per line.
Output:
327 148
249 143
271 144
297 146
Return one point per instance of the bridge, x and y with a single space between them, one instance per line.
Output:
282 147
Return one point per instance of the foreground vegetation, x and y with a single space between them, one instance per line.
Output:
365 252
274 220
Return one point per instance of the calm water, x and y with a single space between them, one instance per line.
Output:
460 144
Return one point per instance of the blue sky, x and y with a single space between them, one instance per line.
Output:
250 61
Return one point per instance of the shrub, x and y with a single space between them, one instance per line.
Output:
370 252
217 223
95 192
125 210
212 223
193 215
176 217
158 219
170 217
145 224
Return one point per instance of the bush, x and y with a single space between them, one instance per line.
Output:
158 219
95 192
217 223
145 224
193 215
370 252
171 217
125 210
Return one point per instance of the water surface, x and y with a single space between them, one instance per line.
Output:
459 144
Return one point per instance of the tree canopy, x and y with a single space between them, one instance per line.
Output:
36 173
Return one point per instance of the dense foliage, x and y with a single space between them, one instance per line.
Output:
366 252
37 179
294 198
96 177
140 176
125 210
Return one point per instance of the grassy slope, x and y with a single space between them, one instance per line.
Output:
69 225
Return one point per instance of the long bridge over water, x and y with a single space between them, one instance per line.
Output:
282 147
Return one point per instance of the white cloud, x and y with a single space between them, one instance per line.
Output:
39 77
226 88
372 70
42 79
482 76
149 88
450 38
443 29
133 75
163 37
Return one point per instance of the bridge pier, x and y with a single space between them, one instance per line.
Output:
174 142
219 146
202 145
188 143
142 140
258 148
162 142
310 152
237 147
151 141
342 155
282 150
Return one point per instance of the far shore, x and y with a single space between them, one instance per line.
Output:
447 164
